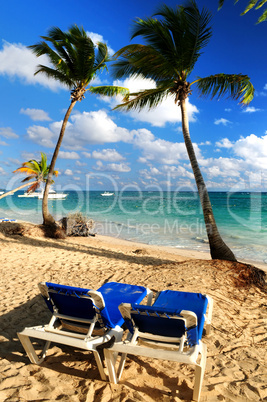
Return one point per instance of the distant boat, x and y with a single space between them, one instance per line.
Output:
53 195
28 195
40 195
107 194
1 192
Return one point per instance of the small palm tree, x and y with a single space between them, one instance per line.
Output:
172 47
38 171
256 4
75 62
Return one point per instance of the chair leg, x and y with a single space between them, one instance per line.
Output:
100 365
199 373
29 349
121 365
110 361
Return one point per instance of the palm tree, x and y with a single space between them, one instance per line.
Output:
172 46
38 171
75 62
251 4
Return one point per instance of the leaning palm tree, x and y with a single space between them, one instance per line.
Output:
34 170
172 47
75 62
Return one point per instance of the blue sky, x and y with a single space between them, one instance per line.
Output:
106 149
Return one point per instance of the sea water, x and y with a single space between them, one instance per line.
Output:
161 218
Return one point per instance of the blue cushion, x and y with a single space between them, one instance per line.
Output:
114 294
195 302
68 300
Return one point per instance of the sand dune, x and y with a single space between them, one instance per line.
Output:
236 364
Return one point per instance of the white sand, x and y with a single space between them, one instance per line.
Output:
236 364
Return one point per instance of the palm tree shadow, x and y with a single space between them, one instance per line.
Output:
137 257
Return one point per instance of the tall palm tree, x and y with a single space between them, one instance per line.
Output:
36 170
172 47
256 4
75 62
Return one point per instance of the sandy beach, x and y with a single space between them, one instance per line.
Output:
236 364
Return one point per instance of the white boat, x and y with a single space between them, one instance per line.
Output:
1 192
53 195
40 195
28 195
107 194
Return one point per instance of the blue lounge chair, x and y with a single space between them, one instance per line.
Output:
175 320
82 318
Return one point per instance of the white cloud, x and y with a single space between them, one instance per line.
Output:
112 167
17 61
68 155
36 114
82 129
99 38
93 128
253 150
87 154
205 143
222 121
68 172
223 167
166 112
224 143
78 163
108 155
158 150
42 136
2 171
3 144
251 109
7 132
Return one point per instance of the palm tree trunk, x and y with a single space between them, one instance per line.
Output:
17 189
47 217
218 249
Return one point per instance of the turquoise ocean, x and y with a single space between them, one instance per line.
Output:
161 218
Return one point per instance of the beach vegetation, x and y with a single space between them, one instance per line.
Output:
37 171
74 61
172 41
256 4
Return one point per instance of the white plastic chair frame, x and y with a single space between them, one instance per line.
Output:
52 333
183 354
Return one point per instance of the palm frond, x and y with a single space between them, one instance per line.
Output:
33 187
221 2
190 31
102 56
43 163
250 5
142 60
24 170
263 17
28 178
107 90
149 99
56 75
234 86
36 166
